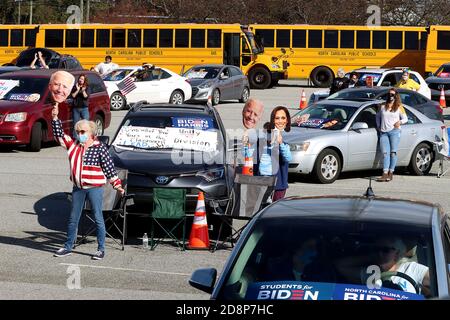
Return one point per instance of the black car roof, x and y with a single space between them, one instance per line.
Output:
43 73
166 108
355 208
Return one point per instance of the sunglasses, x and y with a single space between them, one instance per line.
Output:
81 131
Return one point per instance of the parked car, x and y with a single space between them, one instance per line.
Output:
336 248
161 86
411 98
218 81
148 143
341 135
5 69
53 59
25 121
438 81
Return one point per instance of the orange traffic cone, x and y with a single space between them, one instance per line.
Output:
442 99
303 103
199 238
248 165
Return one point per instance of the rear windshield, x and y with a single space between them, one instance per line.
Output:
117 75
313 259
350 94
323 116
23 89
202 73
443 72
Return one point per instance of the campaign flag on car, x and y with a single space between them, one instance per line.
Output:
126 86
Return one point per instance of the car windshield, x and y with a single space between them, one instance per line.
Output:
323 116
202 73
350 94
187 132
117 75
23 89
443 71
339 259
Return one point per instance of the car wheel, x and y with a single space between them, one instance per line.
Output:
36 137
245 95
177 97
322 77
421 160
215 97
327 167
117 101
259 78
98 119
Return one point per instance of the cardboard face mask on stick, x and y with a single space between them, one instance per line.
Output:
60 86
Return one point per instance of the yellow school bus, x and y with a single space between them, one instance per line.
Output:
14 39
318 51
174 46
438 48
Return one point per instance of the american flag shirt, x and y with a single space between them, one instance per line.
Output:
89 167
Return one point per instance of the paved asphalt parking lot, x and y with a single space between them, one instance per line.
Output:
34 209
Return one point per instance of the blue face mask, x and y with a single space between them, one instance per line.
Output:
83 137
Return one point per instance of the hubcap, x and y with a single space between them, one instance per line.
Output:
245 95
216 97
259 78
329 167
98 122
423 159
177 98
116 102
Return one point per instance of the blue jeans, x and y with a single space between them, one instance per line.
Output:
389 142
77 115
95 196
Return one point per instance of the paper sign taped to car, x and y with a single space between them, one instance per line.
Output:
192 139
142 137
6 86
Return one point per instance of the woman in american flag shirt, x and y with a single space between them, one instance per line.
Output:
90 168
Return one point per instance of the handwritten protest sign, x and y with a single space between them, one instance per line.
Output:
192 139
142 137
6 86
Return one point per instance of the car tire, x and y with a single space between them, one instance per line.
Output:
327 166
36 138
98 120
215 97
322 77
117 101
421 160
177 97
245 95
259 78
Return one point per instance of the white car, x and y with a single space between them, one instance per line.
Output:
155 85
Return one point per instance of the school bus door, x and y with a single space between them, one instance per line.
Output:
231 49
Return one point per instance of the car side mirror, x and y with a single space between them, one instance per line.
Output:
428 74
204 279
386 84
359 125
103 139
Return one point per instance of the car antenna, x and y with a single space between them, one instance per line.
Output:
369 192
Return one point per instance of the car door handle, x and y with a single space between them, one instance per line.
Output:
413 132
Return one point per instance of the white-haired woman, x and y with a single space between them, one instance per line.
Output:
340 82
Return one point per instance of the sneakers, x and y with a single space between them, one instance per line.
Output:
99 255
62 253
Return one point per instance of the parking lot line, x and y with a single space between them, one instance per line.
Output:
124 269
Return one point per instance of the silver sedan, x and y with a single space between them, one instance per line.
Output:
333 136
219 82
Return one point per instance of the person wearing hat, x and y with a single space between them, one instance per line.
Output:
407 83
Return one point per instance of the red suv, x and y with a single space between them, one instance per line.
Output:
25 122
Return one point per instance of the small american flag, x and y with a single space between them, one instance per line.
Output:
126 86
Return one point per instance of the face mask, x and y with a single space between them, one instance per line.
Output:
83 137
391 97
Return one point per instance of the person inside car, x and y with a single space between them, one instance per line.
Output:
340 82
38 61
407 83
353 83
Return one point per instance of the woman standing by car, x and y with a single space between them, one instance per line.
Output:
80 95
280 121
389 119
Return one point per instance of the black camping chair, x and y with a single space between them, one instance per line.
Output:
248 196
114 205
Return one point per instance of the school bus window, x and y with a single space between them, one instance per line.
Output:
443 40
283 38
150 38
103 38
423 40
87 38
4 38
72 38
118 38
331 39
214 38
30 37
54 38
165 38
347 39
395 39
16 38
299 38
197 38
181 38
315 39
134 38
379 40
362 39
267 37
411 40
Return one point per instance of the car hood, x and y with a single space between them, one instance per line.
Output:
303 134
197 82
437 80
156 162
12 106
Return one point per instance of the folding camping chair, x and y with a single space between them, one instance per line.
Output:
114 205
248 196
442 151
